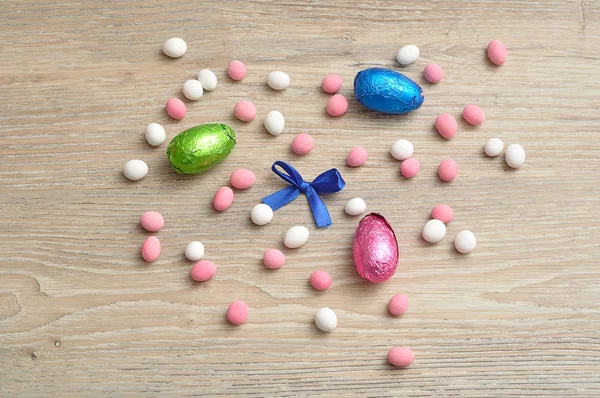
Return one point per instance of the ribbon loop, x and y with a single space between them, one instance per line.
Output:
328 182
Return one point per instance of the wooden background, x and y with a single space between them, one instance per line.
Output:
80 312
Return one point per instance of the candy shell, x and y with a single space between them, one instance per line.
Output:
496 52
261 214
237 313
446 125
242 178
203 270
433 73
244 111
135 169
514 156
398 304
236 70
174 47
302 144
152 221
448 170
176 108
357 156
223 198
337 105
410 167
355 207
192 89
407 54
400 356
473 115
274 122
273 259
278 80
320 280
208 79
402 149
493 147
155 134
465 241
434 231
332 83
326 319
296 237
375 249
444 213
194 251
151 249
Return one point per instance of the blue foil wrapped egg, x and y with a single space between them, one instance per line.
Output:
387 91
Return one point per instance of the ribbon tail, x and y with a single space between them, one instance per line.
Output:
281 197
318 208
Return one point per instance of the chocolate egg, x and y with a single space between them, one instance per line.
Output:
375 249
387 91
199 148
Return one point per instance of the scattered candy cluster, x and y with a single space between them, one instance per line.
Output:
373 232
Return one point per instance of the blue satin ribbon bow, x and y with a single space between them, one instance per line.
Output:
328 182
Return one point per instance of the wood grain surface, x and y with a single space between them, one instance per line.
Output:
81 314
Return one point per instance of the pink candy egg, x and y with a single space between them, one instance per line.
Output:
302 144
433 73
332 83
223 198
320 280
242 178
151 249
446 125
474 115
401 356
203 270
375 249
236 70
444 213
152 221
496 52
337 105
410 167
176 108
237 313
273 259
398 304
448 170
357 156
244 111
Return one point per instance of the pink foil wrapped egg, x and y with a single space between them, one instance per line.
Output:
375 249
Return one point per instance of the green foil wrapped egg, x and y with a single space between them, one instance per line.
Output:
200 148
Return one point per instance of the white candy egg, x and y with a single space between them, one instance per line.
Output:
325 319
261 214
494 147
278 80
194 251
174 47
192 89
434 231
514 156
407 54
155 134
135 169
402 149
296 237
355 206
465 241
208 79
274 122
